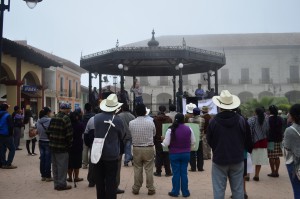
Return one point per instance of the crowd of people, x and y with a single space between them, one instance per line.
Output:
97 140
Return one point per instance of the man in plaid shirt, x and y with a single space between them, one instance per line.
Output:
142 131
60 134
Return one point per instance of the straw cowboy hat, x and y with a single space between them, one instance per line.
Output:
205 109
110 104
226 100
190 107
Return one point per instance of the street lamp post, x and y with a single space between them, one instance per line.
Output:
180 66
115 83
121 67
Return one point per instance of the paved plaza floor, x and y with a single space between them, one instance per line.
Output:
25 183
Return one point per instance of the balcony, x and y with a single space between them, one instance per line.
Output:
266 81
63 92
245 81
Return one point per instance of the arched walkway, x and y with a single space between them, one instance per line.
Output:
265 94
293 96
245 96
31 78
6 74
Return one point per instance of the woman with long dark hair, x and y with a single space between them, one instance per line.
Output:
28 122
259 130
179 138
291 144
275 137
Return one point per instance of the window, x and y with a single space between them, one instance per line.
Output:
185 79
144 81
224 76
164 80
70 88
265 76
76 90
61 86
245 76
294 74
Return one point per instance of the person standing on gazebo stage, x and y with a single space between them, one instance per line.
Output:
138 91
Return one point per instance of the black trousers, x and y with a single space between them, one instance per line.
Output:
197 157
90 175
105 177
162 159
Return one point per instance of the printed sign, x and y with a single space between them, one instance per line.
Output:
29 88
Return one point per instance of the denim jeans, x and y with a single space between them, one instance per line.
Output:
294 180
139 100
234 173
7 143
60 168
45 159
127 151
179 164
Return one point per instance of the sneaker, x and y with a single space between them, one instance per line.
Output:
169 174
10 167
151 192
192 170
172 194
69 180
33 154
157 174
120 191
63 188
43 179
49 179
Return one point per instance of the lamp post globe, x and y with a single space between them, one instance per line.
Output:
120 66
180 65
32 3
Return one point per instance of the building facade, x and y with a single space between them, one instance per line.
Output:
257 65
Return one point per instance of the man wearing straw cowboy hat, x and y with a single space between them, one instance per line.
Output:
109 126
226 135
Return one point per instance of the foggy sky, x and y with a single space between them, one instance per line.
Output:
68 28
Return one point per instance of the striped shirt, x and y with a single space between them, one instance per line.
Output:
142 131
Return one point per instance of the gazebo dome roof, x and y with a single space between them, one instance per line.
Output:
153 42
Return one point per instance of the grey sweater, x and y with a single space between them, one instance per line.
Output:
127 117
41 130
111 148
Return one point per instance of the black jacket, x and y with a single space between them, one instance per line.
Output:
226 134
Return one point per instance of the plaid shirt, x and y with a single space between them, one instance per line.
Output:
142 131
60 133
199 120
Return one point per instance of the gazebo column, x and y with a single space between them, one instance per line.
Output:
208 81
174 89
134 81
216 82
90 87
100 86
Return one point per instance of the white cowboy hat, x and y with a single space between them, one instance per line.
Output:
226 100
147 111
190 107
110 104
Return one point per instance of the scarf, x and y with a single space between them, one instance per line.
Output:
258 132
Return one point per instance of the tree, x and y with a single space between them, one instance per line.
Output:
249 107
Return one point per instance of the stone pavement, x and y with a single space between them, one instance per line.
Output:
25 183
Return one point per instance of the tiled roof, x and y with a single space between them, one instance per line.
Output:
60 60
227 40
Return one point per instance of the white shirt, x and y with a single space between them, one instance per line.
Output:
167 139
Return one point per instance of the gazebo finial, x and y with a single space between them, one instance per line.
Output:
153 42
117 43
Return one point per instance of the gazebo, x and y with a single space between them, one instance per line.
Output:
153 60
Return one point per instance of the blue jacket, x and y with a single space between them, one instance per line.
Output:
6 124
